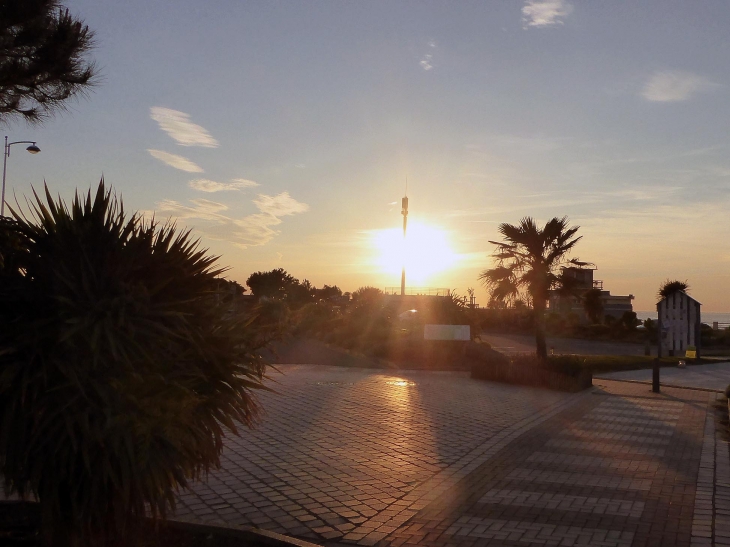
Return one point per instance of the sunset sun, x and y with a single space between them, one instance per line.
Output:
425 251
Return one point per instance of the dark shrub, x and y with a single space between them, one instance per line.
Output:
119 368
571 365
564 373
484 355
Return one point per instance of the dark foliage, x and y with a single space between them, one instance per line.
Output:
563 373
629 321
119 369
669 287
279 285
43 63
593 305
276 284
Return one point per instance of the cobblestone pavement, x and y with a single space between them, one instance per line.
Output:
340 450
353 456
713 376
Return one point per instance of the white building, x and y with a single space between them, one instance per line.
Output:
613 305
679 324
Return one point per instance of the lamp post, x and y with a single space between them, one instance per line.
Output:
33 149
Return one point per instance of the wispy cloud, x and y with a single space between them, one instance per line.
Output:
545 13
426 61
245 183
673 85
173 160
215 221
255 230
206 185
280 205
178 125
202 209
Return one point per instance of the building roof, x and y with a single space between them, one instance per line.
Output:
684 293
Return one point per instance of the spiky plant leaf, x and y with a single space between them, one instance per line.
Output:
119 370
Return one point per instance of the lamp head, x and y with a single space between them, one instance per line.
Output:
33 149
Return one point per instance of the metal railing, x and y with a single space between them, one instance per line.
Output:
419 291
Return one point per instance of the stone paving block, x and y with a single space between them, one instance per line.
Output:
390 464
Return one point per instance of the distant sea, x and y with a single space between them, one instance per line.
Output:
707 317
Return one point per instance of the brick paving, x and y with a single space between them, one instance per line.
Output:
354 456
358 451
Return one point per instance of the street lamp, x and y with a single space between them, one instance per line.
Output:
33 149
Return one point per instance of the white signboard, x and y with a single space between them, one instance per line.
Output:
446 332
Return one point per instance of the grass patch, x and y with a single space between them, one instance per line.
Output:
600 364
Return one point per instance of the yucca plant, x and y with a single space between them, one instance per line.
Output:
120 370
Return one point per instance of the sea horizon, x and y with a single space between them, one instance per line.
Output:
705 317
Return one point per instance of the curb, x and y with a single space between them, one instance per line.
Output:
247 533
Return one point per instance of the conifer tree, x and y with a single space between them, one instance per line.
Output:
43 59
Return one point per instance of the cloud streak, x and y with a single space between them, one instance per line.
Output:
173 160
215 222
280 205
178 125
545 13
206 185
673 86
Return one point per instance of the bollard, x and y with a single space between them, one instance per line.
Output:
655 376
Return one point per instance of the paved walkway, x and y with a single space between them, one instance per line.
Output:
353 456
714 376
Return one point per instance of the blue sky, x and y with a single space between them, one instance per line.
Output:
300 122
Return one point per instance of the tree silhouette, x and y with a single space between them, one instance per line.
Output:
42 58
276 284
593 305
668 288
528 264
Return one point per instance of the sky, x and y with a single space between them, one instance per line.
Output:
284 133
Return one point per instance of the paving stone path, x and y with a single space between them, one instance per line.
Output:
354 456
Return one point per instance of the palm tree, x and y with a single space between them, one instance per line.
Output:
668 288
528 264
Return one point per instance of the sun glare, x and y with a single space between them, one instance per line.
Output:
424 252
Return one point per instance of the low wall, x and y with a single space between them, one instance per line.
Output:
511 373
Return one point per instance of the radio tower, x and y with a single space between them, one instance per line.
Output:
404 212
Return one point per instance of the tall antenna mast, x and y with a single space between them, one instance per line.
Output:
404 212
